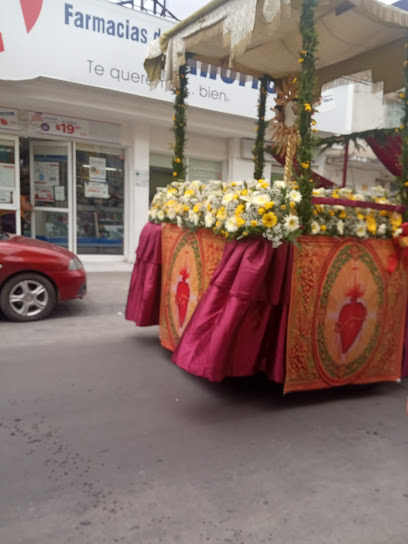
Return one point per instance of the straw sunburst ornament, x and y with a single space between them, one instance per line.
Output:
284 124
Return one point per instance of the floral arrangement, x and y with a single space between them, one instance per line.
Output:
234 210
253 208
340 220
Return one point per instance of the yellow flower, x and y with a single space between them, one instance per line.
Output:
401 127
313 122
196 208
383 213
269 220
245 233
233 183
294 80
323 228
185 208
304 165
360 217
178 160
314 212
402 95
292 205
314 129
405 63
239 209
406 184
308 107
254 223
189 192
283 207
174 117
221 214
269 205
172 190
244 192
303 52
240 221
300 61
218 224
261 211
343 215
371 224
331 213
174 174
396 219
235 197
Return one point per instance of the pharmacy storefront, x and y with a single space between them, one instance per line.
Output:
84 141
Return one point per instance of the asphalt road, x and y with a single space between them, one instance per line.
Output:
103 439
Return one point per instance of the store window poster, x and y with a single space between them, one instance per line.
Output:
7 175
97 167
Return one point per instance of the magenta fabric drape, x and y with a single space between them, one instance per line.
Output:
239 326
143 304
319 180
388 152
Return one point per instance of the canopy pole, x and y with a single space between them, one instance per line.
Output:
345 164
179 126
259 147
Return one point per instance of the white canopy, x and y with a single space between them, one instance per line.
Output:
260 37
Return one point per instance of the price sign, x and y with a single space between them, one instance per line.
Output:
55 125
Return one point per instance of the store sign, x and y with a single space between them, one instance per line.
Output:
104 45
98 43
34 123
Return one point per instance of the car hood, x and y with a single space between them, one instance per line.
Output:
31 243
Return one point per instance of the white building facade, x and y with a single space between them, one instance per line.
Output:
83 137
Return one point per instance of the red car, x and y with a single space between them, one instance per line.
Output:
35 275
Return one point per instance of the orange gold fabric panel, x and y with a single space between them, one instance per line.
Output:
347 314
189 261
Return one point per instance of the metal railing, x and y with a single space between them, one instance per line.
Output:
155 7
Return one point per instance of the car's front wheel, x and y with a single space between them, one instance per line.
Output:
27 297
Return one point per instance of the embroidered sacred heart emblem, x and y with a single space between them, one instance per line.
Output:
349 323
182 296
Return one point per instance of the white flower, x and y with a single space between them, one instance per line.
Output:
315 227
171 214
231 225
196 218
338 208
382 229
153 213
260 200
319 192
359 196
179 222
295 195
279 184
160 215
361 229
209 220
340 227
397 233
228 197
291 222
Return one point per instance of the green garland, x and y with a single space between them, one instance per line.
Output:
259 147
403 129
307 96
179 126
379 134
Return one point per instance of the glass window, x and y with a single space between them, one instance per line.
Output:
100 199
7 186
50 171
161 172
52 227
204 170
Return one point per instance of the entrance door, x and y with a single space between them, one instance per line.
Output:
51 192
9 186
